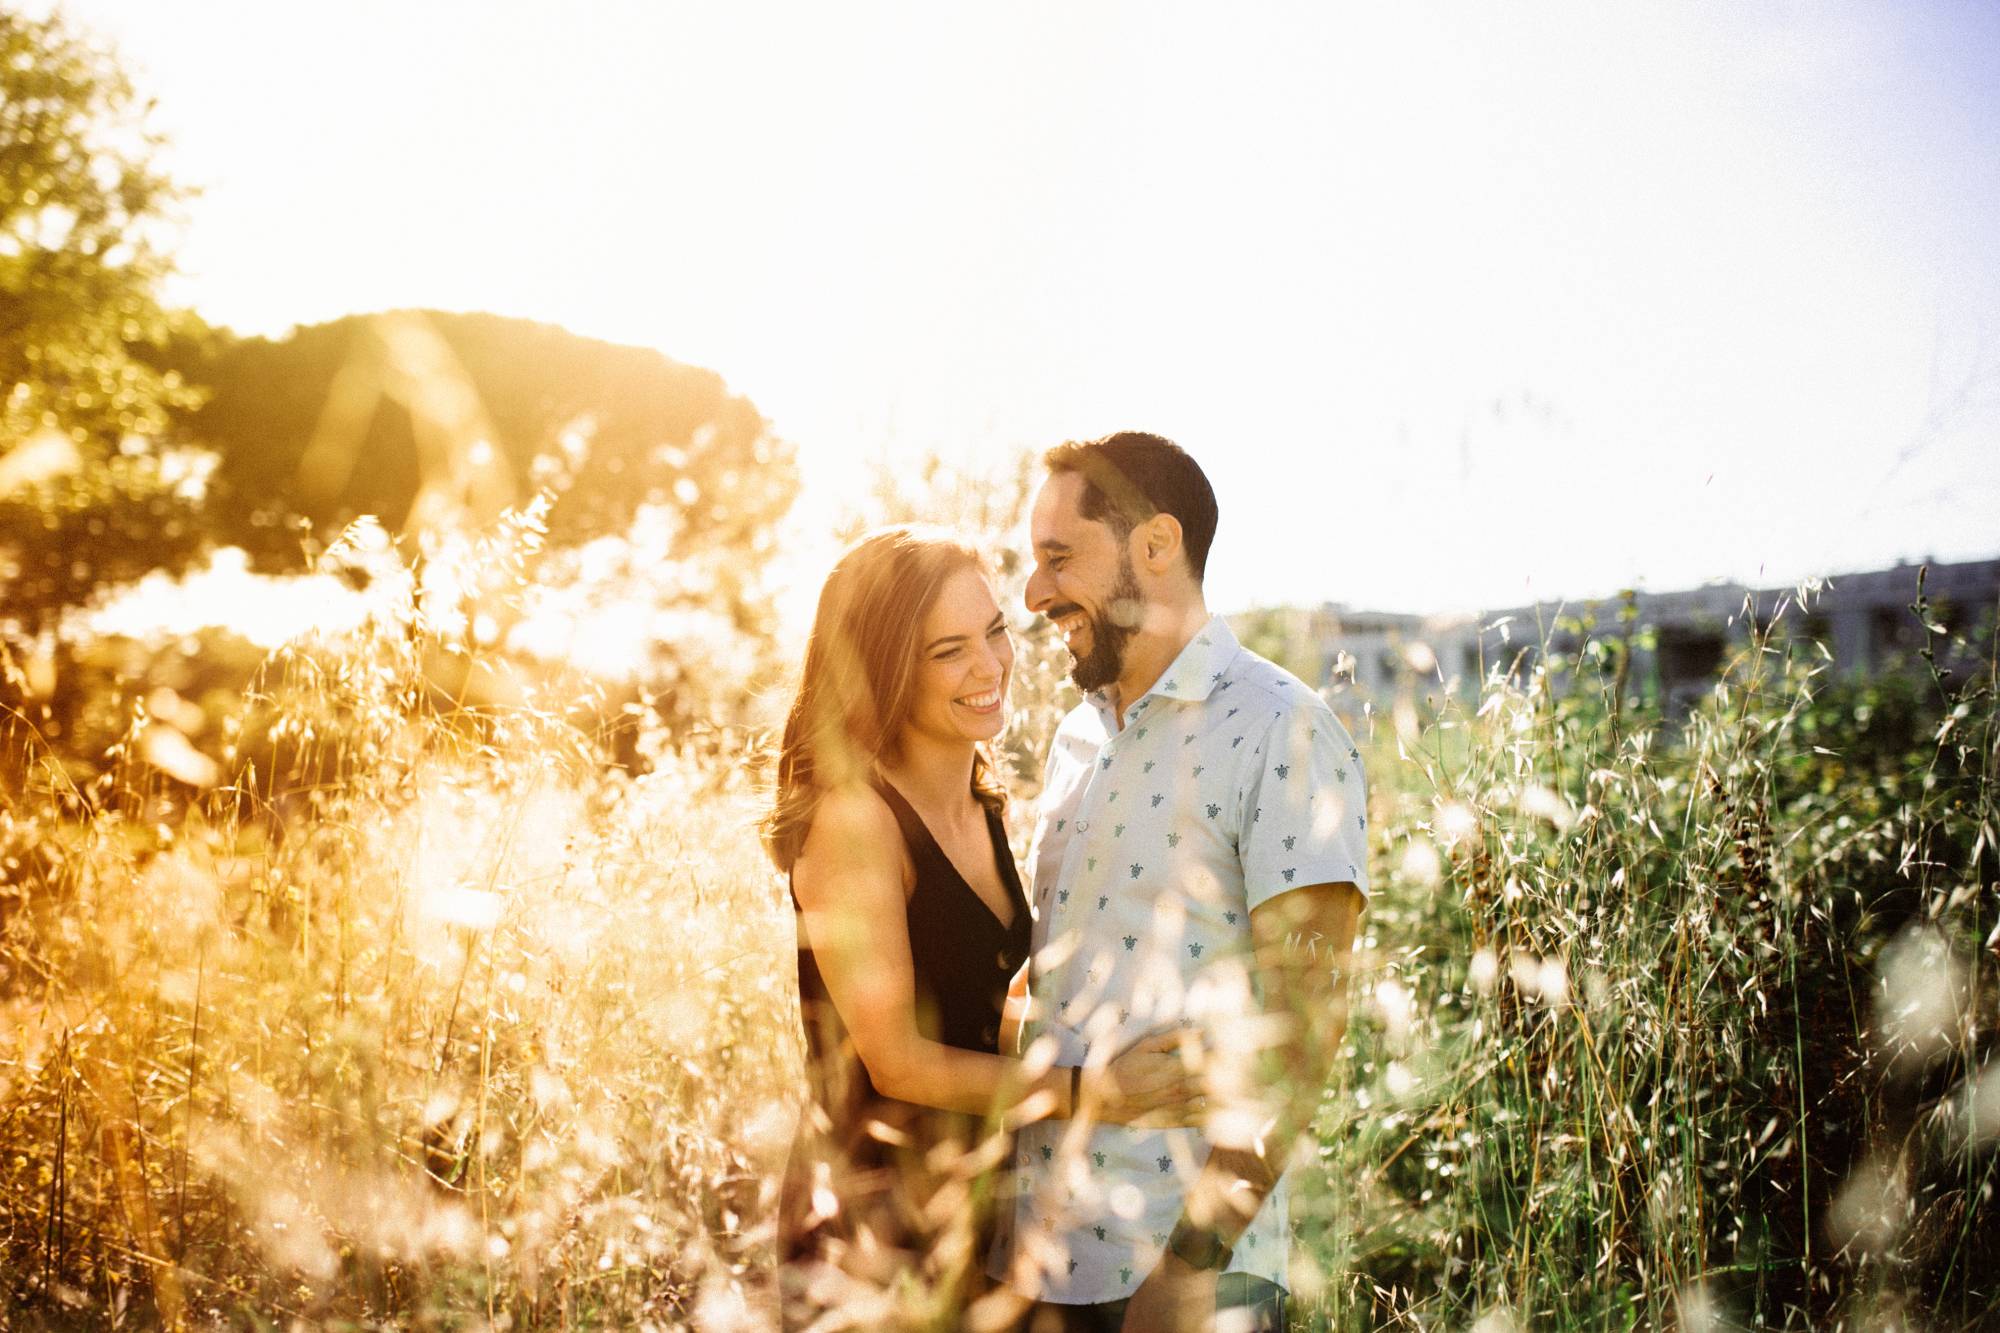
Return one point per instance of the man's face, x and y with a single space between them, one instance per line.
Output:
1083 581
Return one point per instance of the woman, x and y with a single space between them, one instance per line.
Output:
912 923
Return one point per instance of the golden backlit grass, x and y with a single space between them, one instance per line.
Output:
428 1016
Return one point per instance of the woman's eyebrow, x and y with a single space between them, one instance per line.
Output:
998 620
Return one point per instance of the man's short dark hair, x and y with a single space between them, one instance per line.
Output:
1130 476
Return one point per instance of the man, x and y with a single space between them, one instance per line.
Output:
1199 864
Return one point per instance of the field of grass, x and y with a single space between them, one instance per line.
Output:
410 1011
1677 1024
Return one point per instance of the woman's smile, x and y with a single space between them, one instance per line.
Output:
986 701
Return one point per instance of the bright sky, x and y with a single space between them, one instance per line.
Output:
1458 304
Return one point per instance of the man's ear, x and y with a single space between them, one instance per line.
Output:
1157 542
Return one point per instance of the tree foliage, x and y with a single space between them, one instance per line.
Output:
406 414
84 498
82 209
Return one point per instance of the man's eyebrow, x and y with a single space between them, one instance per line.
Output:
1053 547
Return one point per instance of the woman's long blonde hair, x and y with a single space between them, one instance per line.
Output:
860 669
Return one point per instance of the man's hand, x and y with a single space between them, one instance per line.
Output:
1149 1084
1174 1298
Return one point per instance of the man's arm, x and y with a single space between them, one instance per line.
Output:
1304 940
1304 944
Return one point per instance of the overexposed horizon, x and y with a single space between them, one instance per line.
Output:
1459 308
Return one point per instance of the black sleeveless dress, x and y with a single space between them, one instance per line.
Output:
867 1157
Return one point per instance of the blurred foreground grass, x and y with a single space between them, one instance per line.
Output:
411 1011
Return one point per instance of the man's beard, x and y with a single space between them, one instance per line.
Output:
1106 658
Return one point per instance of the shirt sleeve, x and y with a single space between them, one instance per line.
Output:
1305 810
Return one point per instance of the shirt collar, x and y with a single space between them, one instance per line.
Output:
1193 675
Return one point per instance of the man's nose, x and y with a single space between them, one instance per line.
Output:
1037 594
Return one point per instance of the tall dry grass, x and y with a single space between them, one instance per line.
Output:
426 1016
1677 1024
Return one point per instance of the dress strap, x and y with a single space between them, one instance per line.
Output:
907 819
924 849
1003 860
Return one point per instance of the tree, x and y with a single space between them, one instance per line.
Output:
393 414
657 493
419 416
82 216
86 498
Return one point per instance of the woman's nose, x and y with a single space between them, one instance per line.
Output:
992 658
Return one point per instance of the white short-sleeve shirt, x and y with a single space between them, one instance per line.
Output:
1230 782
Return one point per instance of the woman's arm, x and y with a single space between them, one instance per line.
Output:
849 880
1014 1014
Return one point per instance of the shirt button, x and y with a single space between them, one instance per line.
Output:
1083 826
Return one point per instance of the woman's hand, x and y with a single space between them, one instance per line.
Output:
1149 1084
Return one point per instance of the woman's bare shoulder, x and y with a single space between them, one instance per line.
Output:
854 834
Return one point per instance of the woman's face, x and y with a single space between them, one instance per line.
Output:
965 661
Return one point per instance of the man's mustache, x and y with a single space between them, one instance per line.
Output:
1058 612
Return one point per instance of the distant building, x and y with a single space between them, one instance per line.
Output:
1681 641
